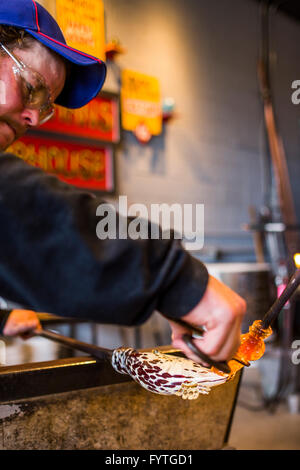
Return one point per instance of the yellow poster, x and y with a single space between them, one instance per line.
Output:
82 22
141 102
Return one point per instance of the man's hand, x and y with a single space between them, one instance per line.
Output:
220 311
21 322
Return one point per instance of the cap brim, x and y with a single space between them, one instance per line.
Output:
86 75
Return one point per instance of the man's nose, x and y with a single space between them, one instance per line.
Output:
31 117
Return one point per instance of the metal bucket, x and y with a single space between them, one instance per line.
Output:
252 281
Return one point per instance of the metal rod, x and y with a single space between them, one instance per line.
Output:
96 351
222 366
276 308
199 330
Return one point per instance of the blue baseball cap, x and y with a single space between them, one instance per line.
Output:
87 73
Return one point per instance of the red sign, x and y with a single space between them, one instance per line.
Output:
81 165
98 120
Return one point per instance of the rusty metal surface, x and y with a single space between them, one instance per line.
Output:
82 403
63 375
118 417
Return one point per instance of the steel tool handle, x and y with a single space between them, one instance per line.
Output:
96 351
222 366
274 311
199 331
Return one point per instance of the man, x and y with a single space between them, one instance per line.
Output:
50 257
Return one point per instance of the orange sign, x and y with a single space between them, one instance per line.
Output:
99 120
141 102
82 22
81 165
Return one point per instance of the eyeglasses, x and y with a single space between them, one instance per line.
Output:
35 93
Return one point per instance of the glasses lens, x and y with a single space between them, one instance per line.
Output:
46 115
34 90
35 94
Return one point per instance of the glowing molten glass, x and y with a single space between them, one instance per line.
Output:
252 347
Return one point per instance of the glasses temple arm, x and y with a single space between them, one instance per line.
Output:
16 61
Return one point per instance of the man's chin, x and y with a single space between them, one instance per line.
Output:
8 136
4 147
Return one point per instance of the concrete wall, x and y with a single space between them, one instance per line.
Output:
214 152
205 56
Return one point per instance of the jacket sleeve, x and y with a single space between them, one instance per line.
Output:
51 259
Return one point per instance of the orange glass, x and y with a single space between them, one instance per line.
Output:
252 347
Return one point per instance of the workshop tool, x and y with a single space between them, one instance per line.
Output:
198 331
161 373
169 374
252 345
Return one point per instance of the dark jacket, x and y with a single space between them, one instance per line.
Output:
51 259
